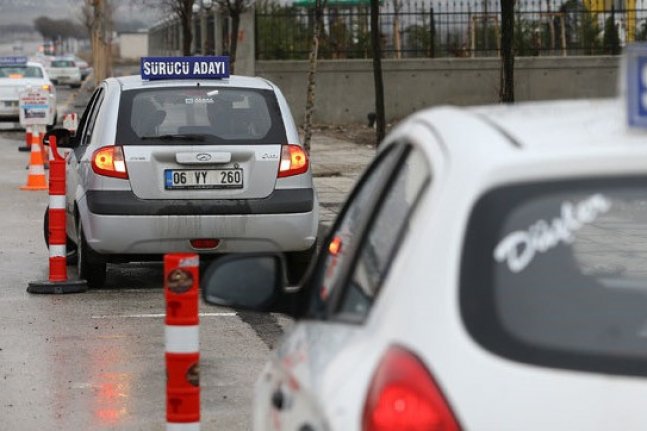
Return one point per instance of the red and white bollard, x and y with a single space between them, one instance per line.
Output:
58 282
181 281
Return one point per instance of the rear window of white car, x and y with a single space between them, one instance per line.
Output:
555 274
62 63
199 115
20 72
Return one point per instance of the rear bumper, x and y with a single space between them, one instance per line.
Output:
282 201
157 227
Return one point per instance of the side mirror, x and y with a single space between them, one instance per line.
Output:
64 138
246 281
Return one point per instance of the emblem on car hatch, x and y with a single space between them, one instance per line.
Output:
203 157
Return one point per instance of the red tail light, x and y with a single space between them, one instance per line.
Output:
404 396
205 243
294 161
109 161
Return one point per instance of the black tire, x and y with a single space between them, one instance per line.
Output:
90 266
298 263
70 247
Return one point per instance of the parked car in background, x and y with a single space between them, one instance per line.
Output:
16 75
83 65
64 71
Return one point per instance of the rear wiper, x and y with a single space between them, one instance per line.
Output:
179 137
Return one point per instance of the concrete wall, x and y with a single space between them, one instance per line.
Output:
133 45
345 87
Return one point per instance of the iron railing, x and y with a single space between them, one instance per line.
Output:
413 28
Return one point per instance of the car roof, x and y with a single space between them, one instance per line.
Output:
533 129
134 81
572 124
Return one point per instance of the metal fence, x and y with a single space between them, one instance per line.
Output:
411 28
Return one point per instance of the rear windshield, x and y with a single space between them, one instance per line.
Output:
20 72
556 274
62 63
199 115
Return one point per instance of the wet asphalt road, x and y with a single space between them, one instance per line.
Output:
96 360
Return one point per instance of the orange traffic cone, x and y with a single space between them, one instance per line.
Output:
36 178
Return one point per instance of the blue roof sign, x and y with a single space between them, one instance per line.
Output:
160 68
13 61
637 84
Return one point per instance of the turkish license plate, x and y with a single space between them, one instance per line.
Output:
203 179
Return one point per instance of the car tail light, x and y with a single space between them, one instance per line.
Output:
205 244
404 396
334 247
109 161
47 87
294 161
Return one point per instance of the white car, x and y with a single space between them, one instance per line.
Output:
202 164
16 75
64 71
487 273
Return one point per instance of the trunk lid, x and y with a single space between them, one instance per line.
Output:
202 172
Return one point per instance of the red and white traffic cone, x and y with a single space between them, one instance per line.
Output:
58 282
36 179
181 281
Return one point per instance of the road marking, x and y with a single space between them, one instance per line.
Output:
158 315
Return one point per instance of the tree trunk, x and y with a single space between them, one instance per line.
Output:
187 33
312 72
235 27
377 70
506 92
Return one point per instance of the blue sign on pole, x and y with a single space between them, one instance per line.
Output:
159 68
636 78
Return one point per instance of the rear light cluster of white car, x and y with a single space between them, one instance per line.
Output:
109 161
294 161
404 396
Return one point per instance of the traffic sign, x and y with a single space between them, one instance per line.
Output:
34 107
158 68
636 83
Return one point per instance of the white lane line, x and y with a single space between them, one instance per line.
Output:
158 315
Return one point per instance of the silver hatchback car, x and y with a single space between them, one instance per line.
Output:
207 166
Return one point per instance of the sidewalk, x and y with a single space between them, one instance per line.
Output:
336 165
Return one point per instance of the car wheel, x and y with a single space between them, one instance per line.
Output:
298 263
90 266
70 247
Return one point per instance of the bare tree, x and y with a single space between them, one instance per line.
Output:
312 73
183 10
506 92
233 9
376 44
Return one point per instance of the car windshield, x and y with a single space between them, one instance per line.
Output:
62 63
560 268
20 72
202 115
